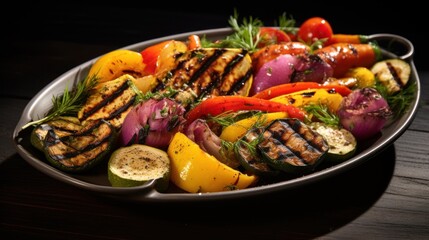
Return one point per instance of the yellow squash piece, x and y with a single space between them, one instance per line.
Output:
196 171
117 63
364 76
236 130
312 96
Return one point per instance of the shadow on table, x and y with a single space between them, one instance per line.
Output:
304 212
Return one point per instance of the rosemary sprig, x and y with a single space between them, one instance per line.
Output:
246 35
68 103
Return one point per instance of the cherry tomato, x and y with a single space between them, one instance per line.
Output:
313 29
271 35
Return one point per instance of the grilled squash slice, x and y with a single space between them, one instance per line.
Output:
72 147
110 101
202 73
292 146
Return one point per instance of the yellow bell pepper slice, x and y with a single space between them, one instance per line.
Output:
312 96
236 130
116 63
196 171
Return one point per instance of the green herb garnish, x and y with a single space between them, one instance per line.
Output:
69 103
321 112
400 101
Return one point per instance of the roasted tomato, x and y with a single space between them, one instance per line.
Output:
313 29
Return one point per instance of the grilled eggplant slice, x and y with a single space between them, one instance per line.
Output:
292 147
82 150
62 126
202 73
110 101
248 156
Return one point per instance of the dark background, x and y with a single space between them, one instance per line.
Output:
51 28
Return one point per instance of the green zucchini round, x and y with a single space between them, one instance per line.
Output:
138 164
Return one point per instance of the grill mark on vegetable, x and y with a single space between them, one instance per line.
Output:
52 141
106 100
298 139
206 72
237 86
394 74
308 94
229 69
206 65
123 108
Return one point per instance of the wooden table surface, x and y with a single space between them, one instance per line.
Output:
386 197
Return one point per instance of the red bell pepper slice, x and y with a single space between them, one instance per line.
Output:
217 105
298 86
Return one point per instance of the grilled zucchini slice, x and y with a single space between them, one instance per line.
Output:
82 150
138 164
292 147
202 73
342 143
110 101
248 156
62 126
392 73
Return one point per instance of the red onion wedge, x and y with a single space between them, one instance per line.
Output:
152 122
364 112
291 68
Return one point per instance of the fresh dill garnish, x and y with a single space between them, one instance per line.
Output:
321 112
227 149
400 101
287 24
68 103
251 146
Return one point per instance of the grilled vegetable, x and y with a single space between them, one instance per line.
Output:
82 150
117 63
287 88
364 112
290 68
196 171
236 130
270 52
364 77
301 98
62 126
222 104
203 73
111 101
347 38
200 133
161 56
392 73
138 164
291 146
152 122
342 143
343 56
246 152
